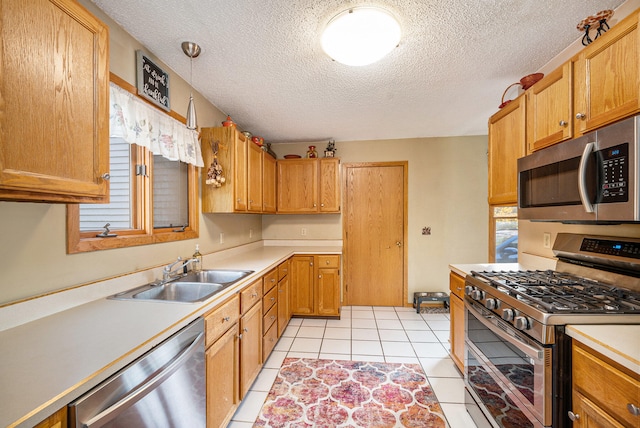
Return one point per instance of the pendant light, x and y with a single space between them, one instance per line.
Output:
361 35
192 50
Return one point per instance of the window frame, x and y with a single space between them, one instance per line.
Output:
143 233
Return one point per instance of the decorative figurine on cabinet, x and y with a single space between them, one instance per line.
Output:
330 151
311 153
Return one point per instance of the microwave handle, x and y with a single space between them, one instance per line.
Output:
582 178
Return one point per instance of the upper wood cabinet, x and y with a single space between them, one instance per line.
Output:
268 183
549 109
54 114
307 186
507 131
242 166
606 77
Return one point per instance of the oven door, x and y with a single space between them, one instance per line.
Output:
507 374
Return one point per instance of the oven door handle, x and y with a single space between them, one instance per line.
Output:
582 178
492 321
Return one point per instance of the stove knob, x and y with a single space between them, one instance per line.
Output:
492 304
522 323
477 294
508 314
468 290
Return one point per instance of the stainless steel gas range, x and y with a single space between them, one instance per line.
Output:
518 357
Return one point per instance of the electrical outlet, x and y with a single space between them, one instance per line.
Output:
303 231
546 240
222 237
250 233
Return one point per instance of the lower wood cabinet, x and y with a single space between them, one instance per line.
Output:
315 285
223 364
605 394
250 347
456 309
56 420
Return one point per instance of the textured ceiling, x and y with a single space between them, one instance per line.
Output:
262 63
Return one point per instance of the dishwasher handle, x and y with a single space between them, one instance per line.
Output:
145 387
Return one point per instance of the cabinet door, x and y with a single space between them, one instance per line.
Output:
328 292
268 183
590 415
250 347
54 81
549 109
506 144
240 173
301 297
222 366
329 185
254 178
456 308
283 304
607 84
297 186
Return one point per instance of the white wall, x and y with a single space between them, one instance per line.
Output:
447 192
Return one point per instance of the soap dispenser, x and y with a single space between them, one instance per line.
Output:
197 263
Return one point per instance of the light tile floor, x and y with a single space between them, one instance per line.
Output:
365 333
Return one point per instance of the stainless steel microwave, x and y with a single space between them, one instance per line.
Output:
593 178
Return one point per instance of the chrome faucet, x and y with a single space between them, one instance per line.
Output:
168 273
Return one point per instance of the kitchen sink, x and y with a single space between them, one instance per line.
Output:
193 287
217 276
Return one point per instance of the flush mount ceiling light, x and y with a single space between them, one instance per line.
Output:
361 35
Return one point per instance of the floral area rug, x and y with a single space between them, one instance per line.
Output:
334 393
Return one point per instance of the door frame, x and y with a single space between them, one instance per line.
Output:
405 197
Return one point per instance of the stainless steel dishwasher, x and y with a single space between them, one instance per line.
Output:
163 388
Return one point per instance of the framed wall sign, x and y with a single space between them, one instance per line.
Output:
152 81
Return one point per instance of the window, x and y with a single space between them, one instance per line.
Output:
152 199
504 234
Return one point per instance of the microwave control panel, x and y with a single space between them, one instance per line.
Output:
614 174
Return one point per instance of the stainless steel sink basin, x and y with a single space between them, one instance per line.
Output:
218 276
194 287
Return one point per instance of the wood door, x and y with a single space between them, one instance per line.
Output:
250 347
54 91
268 183
375 218
507 130
329 185
240 172
222 366
301 291
550 109
297 186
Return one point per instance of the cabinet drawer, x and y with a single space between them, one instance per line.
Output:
328 261
269 299
283 270
613 394
250 296
269 342
456 285
269 281
270 317
220 319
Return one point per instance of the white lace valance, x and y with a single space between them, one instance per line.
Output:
139 123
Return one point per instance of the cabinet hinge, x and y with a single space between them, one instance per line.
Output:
141 170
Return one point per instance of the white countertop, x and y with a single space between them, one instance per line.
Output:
621 343
48 362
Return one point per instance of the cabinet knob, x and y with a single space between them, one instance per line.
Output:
246 330
273 298
399 244
254 295
240 336
581 116
322 205
573 416
273 280
633 409
106 176
327 262
563 123
315 205
272 317
225 319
